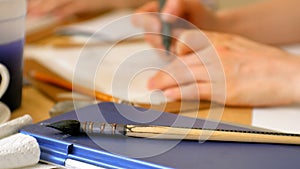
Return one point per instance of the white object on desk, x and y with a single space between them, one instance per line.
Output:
43 166
4 114
13 126
74 164
283 119
18 150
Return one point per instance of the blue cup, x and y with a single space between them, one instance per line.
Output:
12 26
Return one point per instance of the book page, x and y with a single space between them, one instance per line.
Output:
113 26
121 71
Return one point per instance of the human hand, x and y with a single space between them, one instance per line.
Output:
191 10
64 8
179 13
247 73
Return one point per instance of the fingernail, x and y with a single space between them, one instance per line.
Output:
152 28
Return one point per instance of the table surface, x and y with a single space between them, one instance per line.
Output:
35 104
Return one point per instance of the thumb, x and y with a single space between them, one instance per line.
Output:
190 41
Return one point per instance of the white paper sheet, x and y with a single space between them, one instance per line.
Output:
283 119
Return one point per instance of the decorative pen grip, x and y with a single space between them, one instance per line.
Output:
101 128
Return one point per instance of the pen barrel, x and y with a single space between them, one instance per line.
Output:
101 128
161 4
166 35
166 28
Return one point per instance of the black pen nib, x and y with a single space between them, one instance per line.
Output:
71 127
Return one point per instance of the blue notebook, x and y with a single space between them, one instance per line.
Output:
113 151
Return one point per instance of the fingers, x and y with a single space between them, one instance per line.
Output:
147 18
180 72
151 25
75 7
42 7
155 40
33 7
149 7
149 22
172 8
197 66
178 77
195 91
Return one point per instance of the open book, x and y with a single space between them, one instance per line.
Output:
104 67
121 71
105 28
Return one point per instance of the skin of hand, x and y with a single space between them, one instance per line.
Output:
60 8
190 10
65 8
258 21
255 74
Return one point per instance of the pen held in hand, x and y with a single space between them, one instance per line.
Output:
74 127
165 30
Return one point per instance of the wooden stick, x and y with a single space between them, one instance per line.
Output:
161 132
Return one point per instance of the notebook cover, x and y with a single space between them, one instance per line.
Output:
127 152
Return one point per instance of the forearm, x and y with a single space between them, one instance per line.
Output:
273 21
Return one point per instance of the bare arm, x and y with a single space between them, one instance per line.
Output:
272 21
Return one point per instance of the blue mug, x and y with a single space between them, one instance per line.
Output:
12 28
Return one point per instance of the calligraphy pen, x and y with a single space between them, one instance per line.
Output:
74 127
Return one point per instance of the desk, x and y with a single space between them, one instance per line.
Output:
35 104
